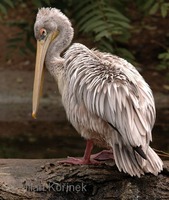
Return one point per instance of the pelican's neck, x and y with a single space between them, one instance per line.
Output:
54 62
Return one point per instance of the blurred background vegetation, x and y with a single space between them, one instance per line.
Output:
106 24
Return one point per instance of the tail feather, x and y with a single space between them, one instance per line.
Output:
129 161
154 164
126 161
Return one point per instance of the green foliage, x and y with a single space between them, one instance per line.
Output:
100 20
25 35
105 24
164 57
160 5
151 7
163 7
4 5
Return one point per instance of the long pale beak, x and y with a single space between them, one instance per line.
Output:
42 47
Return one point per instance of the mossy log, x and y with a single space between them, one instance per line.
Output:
46 179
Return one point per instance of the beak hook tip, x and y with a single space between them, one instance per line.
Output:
34 115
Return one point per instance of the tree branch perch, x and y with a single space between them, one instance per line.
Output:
45 179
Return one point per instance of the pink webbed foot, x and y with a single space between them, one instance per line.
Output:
78 161
88 158
103 155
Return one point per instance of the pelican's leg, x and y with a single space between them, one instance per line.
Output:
86 158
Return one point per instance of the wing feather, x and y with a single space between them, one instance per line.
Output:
112 89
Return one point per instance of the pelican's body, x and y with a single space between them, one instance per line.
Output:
105 98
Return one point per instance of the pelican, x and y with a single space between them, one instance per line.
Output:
104 96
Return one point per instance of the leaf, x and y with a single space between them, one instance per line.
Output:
116 13
106 45
102 21
148 4
162 66
166 87
3 9
86 18
154 8
124 53
81 4
123 24
102 28
9 3
164 10
86 10
90 25
164 56
102 34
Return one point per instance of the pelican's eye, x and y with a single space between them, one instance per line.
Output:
43 33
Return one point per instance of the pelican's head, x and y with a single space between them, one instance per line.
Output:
48 25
